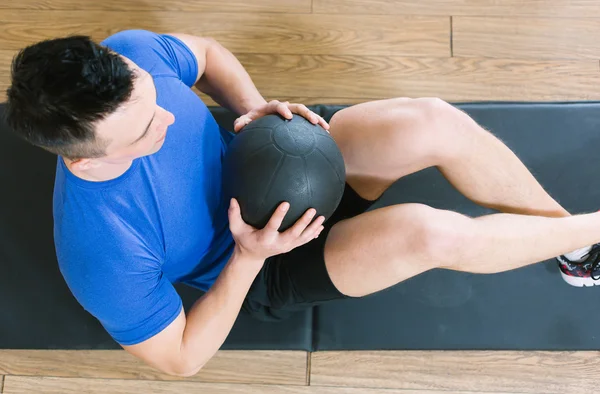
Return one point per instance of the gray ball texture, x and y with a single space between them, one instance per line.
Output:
273 160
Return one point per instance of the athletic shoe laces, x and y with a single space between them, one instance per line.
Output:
593 261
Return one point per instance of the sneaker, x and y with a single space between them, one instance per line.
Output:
584 273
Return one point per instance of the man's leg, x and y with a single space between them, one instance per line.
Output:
380 248
385 140
382 141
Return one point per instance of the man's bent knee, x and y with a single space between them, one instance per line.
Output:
385 246
437 236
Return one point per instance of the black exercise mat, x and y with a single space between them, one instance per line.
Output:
526 309
530 308
37 310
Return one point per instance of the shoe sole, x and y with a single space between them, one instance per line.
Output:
579 282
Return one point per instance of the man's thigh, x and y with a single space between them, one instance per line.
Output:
382 141
380 248
355 257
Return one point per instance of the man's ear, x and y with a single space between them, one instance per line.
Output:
84 164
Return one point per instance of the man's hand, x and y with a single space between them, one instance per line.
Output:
285 109
260 244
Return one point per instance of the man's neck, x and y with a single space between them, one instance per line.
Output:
103 173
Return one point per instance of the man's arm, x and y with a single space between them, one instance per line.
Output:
187 344
221 75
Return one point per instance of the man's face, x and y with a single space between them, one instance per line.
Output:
139 127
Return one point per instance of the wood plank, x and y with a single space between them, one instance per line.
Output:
211 103
526 38
554 8
272 367
453 79
300 100
1 384
325 79
251 33
5 61
26 385
283 6
308 359
526 372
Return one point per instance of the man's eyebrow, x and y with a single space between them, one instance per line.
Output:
149 123
145 131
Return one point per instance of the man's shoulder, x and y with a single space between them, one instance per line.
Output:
101 221
143 47
131 38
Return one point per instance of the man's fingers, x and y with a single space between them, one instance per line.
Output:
308 114
241 122
236 223
278 216
237 126
314 118
323 123
283 109
303 110
319 232
296 230
313 230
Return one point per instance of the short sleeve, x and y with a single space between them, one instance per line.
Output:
121 286
158 54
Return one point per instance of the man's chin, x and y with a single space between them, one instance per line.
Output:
158 146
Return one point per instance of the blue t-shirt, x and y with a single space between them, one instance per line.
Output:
121 244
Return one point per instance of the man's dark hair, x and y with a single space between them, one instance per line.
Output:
60 88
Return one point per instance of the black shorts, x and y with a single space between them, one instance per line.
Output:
298 279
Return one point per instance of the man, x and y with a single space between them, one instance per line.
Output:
138 203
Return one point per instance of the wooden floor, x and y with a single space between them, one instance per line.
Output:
414 372
343 52
348 51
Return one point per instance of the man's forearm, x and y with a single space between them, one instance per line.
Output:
226 81
211 318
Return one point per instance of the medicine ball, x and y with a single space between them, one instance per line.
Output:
273 160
